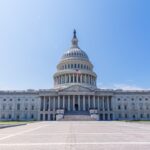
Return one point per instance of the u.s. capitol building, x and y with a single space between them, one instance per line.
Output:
75 96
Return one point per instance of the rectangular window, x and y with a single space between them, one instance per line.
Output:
18 106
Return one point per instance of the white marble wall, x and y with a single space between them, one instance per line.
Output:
18 107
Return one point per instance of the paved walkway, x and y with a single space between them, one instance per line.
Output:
77 136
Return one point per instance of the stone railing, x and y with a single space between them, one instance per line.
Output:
60 114
94 114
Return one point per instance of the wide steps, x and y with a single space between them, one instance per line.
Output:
77 116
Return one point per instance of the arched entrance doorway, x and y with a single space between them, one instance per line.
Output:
76 107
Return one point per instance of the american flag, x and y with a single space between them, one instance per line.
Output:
78 71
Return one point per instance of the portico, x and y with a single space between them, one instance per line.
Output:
71 101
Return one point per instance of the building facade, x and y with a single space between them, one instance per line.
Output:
75 93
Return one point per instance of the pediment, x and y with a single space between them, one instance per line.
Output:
76 88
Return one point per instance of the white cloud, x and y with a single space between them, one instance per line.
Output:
123 86
128 87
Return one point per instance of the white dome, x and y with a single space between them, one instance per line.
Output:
75 53
75 68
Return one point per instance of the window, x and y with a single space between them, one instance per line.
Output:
18 117
10 107
3 116
25 116
18 106
118 99
147 115
32 116
125 107
10 99
120 116
4 99
126 116
132 99
4 107
133 116
9 116
141 115
32 107
18 99
119 107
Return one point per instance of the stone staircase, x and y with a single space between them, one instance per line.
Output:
77 116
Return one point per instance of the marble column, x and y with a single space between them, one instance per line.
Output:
103 103
94 101
81 78
79 103
44 104
63 102
98 102
69 78
58 102
73 102
49 107
73 78
68 102
108 103
53 99
83 102
89 101
65 79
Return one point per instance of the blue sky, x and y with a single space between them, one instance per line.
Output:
35 33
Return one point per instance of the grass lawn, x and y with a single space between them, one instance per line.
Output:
138 121
15 122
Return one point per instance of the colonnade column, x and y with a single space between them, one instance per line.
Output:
68 102
63 102
108 107
73 78
94 101
77 78
103 103
79 102
107 103
69 78
83 102
65 79
44 104
54 98
58 102
49 100
98 98
89 101
73 102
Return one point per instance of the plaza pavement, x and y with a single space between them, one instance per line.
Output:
84 135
